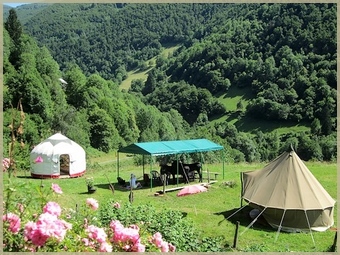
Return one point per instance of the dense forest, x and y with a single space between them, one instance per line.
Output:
283 55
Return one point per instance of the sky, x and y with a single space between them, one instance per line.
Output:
13 4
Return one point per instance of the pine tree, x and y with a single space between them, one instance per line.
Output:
14 28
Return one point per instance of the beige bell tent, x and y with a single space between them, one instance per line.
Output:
288 195
57 156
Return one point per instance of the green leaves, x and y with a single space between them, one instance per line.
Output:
173 226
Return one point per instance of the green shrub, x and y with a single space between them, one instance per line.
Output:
173 225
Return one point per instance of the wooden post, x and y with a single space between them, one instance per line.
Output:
333 248
164 177
236 235
131 192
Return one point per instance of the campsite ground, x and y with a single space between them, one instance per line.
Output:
207 210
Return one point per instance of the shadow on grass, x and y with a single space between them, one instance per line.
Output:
119 187
244 219
25 177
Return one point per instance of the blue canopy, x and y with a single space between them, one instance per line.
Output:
167 148
171 147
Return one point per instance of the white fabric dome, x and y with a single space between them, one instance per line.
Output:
52 151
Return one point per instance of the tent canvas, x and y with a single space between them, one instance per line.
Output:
60 155
289 196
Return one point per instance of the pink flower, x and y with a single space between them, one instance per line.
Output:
31 232
115 224
14 222
96 233
172 248
105 247
66 224
28 230
6 162
20 207
157 239
52 208
128 238
164 247
116 205
85 241
56 188
38 160
138 247
47 226
92 203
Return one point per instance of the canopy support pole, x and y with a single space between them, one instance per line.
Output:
177 165
202 163
279 228
239 209
151 162
143 166
184 173
252 223
310 230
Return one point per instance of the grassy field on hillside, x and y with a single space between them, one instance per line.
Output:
234 96
143 75
246 124
207 210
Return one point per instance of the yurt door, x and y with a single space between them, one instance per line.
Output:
64 164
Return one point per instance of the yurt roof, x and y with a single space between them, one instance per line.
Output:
57 144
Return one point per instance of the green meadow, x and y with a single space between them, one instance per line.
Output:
208 210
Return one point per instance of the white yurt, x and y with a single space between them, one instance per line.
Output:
57 156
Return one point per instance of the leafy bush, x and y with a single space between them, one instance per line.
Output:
175 228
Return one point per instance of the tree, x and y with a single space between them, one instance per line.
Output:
329 147
14 29
78 126
137 85
75 87
315 127
103 134
150 83
13 26
28 85
308 148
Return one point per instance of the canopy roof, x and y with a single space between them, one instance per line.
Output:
171 147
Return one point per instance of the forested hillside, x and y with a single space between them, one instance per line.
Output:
283 55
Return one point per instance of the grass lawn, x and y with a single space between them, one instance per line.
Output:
207 210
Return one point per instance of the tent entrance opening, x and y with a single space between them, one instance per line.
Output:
64 164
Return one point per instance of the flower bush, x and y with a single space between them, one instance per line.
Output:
55 229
